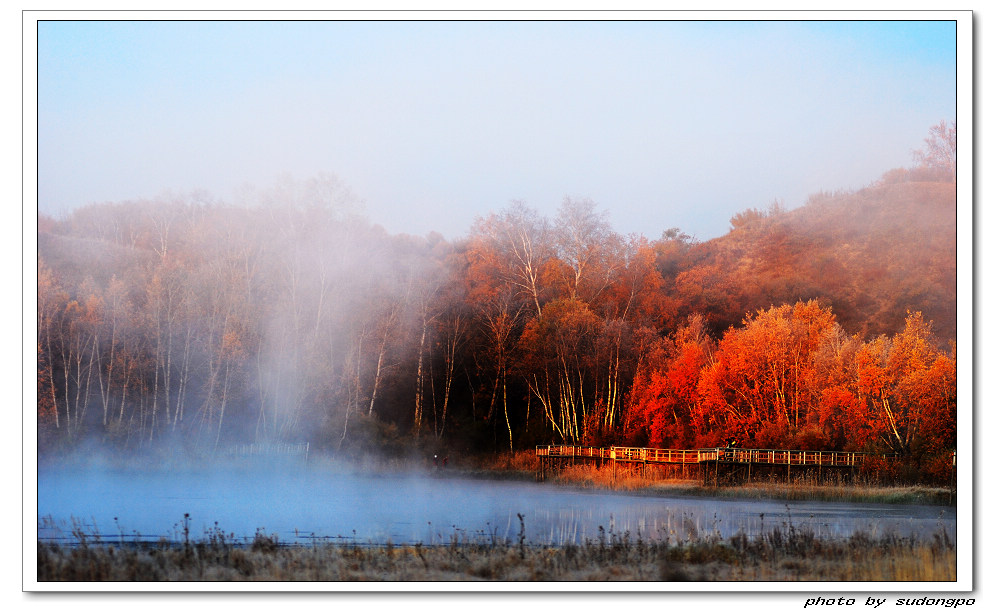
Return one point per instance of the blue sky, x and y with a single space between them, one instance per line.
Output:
662 124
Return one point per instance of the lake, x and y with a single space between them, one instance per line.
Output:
299 506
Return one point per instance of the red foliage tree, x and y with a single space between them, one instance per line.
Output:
756 389
664 399
908 388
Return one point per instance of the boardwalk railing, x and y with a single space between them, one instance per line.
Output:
724 455
570 451
787 457
300 449
654 455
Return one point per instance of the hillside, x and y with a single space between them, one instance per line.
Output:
871 255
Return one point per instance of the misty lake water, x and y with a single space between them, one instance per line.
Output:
299 506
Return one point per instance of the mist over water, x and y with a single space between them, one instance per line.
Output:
298 506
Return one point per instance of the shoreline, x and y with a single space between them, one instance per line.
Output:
519 468
588 478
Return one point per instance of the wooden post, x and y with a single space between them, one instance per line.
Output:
953 470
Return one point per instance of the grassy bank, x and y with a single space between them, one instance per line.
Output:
780 555
658 482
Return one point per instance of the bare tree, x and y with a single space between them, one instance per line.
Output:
586 243
517 243
940 151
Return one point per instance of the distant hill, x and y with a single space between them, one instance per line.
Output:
872 255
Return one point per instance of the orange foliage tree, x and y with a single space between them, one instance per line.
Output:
908 389
756 387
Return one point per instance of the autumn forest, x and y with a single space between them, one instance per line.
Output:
191 323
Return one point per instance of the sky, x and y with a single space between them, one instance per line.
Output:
431 124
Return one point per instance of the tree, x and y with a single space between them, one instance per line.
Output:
498 315
50 298
514 246
559 347
832 380
586 243
48 412
664 399
909 389
427 284
756 386
452 326
940 152
637 293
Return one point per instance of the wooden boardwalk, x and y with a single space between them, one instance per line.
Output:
277 451
708 462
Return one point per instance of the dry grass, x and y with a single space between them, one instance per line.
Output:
651 482
780 555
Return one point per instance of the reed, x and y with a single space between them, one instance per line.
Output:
779 554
